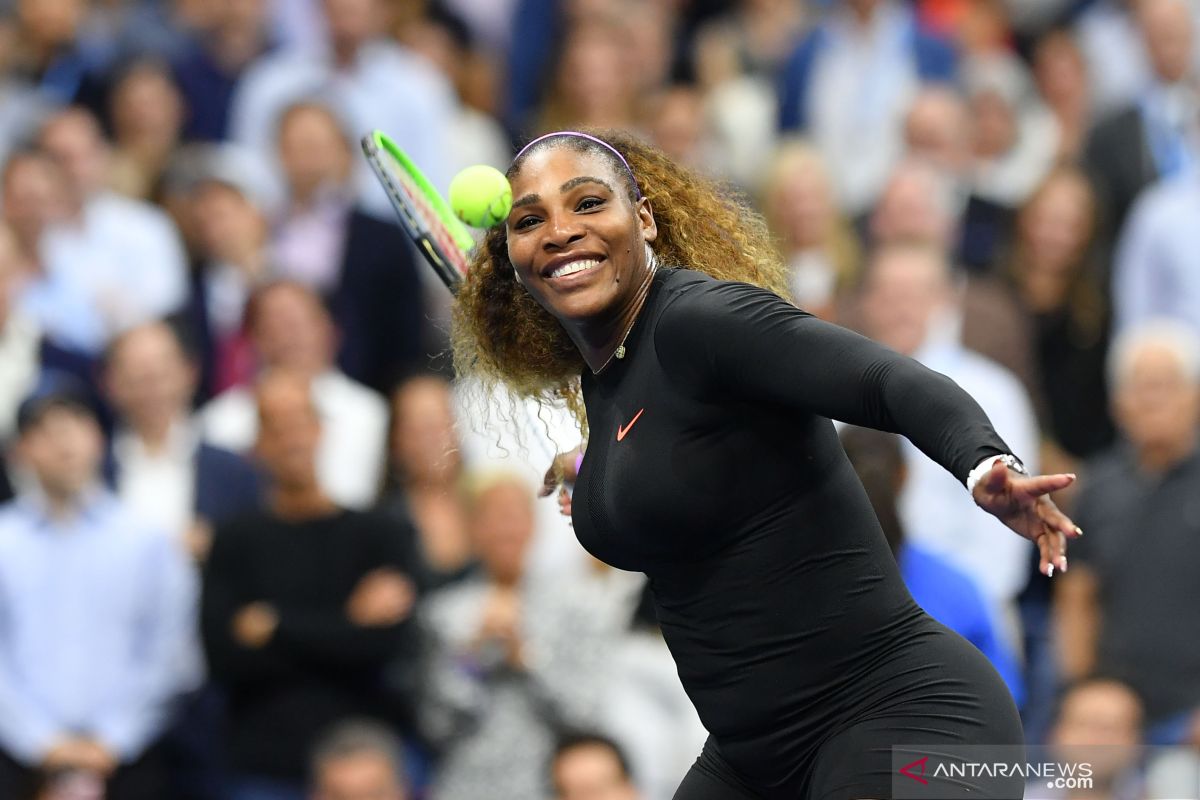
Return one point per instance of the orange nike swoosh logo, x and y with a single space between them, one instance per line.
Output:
622 430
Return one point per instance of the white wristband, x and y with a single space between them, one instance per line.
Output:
985 466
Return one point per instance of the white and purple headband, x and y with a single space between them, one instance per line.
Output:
590 138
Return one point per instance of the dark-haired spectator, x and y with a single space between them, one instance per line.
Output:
160 467
99 609
849 82
363 267
1058 282
147 114
291 329
213 61
1153 137
305 605
512 658
52 54
425 474
1130 605
229 206
359 760
1100 719
947 593
372 81
591 766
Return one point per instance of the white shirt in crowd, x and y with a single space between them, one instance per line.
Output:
935 509
159 487
351 454
387 88
19 363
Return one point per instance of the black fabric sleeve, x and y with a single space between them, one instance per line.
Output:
744 341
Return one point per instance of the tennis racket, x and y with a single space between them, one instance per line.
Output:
426 217
439 235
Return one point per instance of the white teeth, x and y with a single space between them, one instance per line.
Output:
571 267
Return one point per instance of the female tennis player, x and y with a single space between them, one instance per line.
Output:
712 466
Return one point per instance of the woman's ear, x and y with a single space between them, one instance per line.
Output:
646 216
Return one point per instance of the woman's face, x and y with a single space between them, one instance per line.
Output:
574 238
1056 225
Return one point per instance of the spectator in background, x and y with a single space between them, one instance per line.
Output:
1100 719
359 760
1150 139
512 658
677 125
109 242
592 82
645 707
35 205
228 206
1061 75
99 609
1154 266
950 596
23 106
817 243
362 267
1116 58
919 204
147 114
909 303
1130 606
848 83
20 339
426 470
160 468
474 136
590 766
305 605
52 56
1054 270
372 81
1016 138
291 329
212 63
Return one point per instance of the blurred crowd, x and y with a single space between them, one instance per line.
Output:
257 544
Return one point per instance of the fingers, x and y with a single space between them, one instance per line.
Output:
1056 520
1052 546
1044 484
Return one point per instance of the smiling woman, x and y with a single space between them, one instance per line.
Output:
505 334
652 302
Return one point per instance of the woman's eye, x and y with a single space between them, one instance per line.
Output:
588 203
525 222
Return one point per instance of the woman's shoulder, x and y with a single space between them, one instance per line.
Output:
689 296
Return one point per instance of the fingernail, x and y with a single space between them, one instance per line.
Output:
1050 572
1072 474
1064 564
1078 531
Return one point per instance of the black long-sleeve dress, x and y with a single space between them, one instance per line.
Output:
713 467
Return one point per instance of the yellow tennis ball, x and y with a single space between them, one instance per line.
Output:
481 196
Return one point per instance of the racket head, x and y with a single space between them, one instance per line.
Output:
426 217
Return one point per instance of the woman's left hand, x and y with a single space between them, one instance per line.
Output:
1023 504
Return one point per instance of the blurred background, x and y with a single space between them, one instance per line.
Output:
258 545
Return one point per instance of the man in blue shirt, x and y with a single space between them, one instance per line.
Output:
96 612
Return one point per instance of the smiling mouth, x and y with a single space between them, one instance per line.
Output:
574 267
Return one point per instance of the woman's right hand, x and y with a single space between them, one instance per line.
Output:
561 471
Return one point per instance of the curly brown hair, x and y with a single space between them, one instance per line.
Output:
501 335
